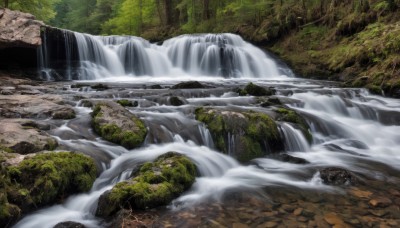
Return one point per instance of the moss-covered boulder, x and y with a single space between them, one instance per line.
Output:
116 124
254 90
154 184
125 103
49 177
65 114
291 116
242 134
9 213
19 136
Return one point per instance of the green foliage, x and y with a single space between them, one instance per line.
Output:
125 103
42 9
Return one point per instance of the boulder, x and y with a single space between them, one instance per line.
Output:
19 29
48 177
19 136
254 90
125 103
242 134
176 101
188 85
154 184
116 124
337 176
39 106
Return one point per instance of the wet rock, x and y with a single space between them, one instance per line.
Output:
298 211
66 114
380 202
69 224
19 29
100 87
360 193
271 102
269 224
24 139
244 135
254 90
176 101
188 85
337 176
334 220
116 124
9 213
125 103
46 177
6 92
155 87
24 106
155 184
290 159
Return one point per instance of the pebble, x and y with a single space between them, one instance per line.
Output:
268 225
380 202
239 225
298 211
333 219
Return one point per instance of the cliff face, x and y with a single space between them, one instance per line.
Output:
19 29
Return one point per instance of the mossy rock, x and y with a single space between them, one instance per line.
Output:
49 177
291 116
125 103
64 114
117 125
188 85
100 87
244 135
154 184
254 90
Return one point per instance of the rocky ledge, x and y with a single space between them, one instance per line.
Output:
19 29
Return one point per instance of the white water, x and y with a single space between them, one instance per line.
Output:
347 128
214 55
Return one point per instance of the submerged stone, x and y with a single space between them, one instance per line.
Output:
337 176
155 184
244 135
116 124
125 103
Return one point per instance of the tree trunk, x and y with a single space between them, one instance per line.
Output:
168 12
5 3
206 9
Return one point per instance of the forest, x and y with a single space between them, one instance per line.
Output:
151 17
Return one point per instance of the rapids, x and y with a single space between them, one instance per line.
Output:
351 128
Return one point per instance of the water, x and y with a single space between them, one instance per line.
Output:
351 128
221 55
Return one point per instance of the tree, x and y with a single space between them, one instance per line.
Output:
43 9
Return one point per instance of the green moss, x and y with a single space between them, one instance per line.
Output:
374 89
113 133
255 90
48 177
156 183
64 115
125 103
6 149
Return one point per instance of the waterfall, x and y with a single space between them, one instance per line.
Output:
214 55
294 138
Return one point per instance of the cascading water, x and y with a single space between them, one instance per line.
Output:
221 55
350 128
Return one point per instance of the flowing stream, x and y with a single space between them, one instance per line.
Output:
351 128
